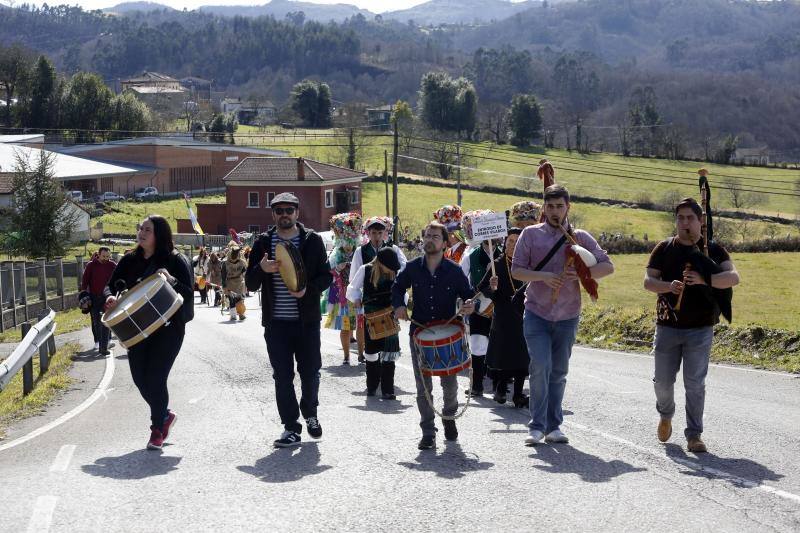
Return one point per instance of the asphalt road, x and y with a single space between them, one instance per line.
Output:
85 466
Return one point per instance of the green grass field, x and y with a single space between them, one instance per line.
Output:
418 202
766 295
599 175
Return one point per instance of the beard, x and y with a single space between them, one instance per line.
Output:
430 248
285 223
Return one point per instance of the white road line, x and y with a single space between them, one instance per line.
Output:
42 514
98 393
712 365
63 458
689 464
199 398
685 462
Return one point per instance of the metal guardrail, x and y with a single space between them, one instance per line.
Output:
37 337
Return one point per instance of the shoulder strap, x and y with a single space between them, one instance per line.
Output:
551 253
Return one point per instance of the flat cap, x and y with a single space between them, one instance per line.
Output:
285 198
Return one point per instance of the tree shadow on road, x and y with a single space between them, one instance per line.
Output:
138 464
452 463
287 464
742 473
565 459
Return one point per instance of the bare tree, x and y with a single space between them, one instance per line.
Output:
493 118
738 196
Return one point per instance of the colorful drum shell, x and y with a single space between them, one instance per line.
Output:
446 355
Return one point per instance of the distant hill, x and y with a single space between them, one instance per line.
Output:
128 7
460 11
280 8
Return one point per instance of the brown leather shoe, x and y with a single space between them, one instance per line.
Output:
664 429
696 445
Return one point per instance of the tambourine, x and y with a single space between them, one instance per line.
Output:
291 267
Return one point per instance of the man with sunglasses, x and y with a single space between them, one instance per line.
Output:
291 319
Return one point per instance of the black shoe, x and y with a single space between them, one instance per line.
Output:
313 427
427 442
388 396
474 393
499 396
521 401
450 431
287 440
361 359
371 392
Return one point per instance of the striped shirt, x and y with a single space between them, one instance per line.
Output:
285 303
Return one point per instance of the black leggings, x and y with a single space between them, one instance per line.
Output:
150 362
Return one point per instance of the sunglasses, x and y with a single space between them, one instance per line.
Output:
284 210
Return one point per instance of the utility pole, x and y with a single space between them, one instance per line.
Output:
386 178
394 180
458 173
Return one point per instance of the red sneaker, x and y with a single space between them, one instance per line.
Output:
168 423
156 439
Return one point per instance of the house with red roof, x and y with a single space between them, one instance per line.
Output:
323 190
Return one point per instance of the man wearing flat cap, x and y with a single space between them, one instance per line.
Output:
291 319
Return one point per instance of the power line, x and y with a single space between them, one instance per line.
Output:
585 172
764 190
633 165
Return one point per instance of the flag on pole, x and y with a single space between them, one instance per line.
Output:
235 236
195 225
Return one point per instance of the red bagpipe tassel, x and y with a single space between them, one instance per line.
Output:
584 274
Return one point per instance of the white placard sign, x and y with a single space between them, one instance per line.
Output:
487 227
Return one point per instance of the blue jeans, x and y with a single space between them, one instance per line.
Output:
549 348
287 341
693 347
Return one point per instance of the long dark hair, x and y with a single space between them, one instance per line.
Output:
163 235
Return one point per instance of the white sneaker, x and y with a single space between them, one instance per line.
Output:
97 346
556 436
534 436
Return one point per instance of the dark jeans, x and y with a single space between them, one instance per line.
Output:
151 361
287 341
203 295
100 333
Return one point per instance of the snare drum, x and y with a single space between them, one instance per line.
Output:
443 348
143 310
484 306
382 324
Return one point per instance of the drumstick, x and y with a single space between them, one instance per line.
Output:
421 326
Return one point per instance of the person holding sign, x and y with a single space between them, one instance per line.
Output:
550 324
474 265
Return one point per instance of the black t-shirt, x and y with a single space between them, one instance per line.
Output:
698 305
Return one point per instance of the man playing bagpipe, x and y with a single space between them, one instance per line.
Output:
693 289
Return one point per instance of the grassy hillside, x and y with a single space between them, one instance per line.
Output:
601 175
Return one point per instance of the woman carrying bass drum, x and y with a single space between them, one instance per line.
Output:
151 359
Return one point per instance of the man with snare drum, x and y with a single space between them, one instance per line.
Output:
436 285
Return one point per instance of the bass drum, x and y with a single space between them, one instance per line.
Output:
141 311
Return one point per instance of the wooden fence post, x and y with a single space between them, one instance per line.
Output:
43 282
44 349
24 278
13 295
27 370
79 270
60 280
2 317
